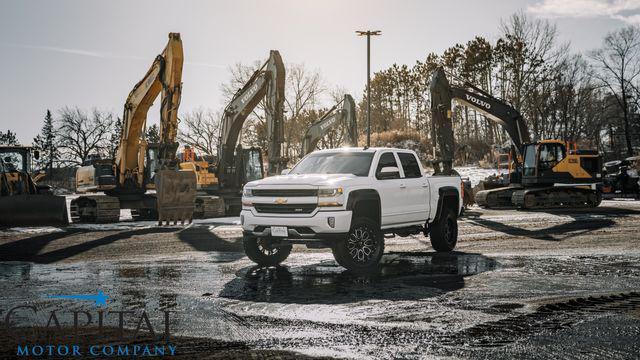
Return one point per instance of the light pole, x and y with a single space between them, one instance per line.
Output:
368 34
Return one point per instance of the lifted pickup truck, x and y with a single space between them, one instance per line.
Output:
349 200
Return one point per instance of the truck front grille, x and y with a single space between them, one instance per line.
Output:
285 208
285 192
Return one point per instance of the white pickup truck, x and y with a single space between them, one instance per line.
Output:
349 200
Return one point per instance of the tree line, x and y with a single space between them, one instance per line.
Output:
592 99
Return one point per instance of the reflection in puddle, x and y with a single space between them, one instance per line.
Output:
402 276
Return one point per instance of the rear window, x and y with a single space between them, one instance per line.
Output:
410 165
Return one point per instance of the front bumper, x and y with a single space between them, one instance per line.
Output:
314 227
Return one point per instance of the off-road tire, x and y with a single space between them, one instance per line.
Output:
444 231
361 251
259 252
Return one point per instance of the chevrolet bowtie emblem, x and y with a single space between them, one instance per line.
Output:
281 201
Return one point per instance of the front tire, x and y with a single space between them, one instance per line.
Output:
361 251
262 253
444 231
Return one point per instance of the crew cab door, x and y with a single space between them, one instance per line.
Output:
416 190
390 190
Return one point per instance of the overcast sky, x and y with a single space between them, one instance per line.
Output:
91 53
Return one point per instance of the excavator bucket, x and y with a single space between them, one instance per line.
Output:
175 196
33 210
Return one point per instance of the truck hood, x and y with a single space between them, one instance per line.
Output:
308 179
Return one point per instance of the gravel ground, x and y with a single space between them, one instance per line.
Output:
520 285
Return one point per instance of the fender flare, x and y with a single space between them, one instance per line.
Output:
445 192
365 194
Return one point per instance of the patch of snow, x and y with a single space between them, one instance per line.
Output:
477 174
34 230
230 220
122 225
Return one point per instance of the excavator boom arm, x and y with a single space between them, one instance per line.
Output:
164 76
267 83
346 116
442 94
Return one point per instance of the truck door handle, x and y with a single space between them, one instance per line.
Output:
425 184
402 186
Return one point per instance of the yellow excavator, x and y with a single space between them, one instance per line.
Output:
546 173
22 201
206 179
208 204
129 180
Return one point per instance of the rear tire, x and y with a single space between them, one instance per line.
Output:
444 231
361 251
263 254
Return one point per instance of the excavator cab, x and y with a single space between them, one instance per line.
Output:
553 161
22 201
253 168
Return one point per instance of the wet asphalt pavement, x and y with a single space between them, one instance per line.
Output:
520 285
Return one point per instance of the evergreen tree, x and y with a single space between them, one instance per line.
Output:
153 134
8 138
45 142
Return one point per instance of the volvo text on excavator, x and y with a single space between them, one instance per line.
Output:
139 166
547 173
345 116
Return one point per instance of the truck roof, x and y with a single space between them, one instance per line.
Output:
360 149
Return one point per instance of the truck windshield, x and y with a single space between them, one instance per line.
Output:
356 163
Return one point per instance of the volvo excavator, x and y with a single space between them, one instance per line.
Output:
345 116
235 165
139 168
546 173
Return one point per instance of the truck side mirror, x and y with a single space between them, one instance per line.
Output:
285 171
389 172
36 154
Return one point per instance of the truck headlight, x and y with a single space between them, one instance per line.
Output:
247 192
330 192
329 197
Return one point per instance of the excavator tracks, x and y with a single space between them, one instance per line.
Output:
555 198
209 207
538 198
496 198
95 209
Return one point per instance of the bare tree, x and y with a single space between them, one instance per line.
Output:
200 129
303 90
619 64
81 134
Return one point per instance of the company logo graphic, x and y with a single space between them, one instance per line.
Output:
101 333
100 299
280 201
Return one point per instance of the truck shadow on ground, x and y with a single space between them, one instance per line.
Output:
202 239
584 221
402 276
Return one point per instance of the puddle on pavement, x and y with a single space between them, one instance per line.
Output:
402 276
153 287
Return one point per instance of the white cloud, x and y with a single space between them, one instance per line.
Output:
624 10
71 51
102 55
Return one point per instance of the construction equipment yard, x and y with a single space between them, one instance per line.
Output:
519 283
361 179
